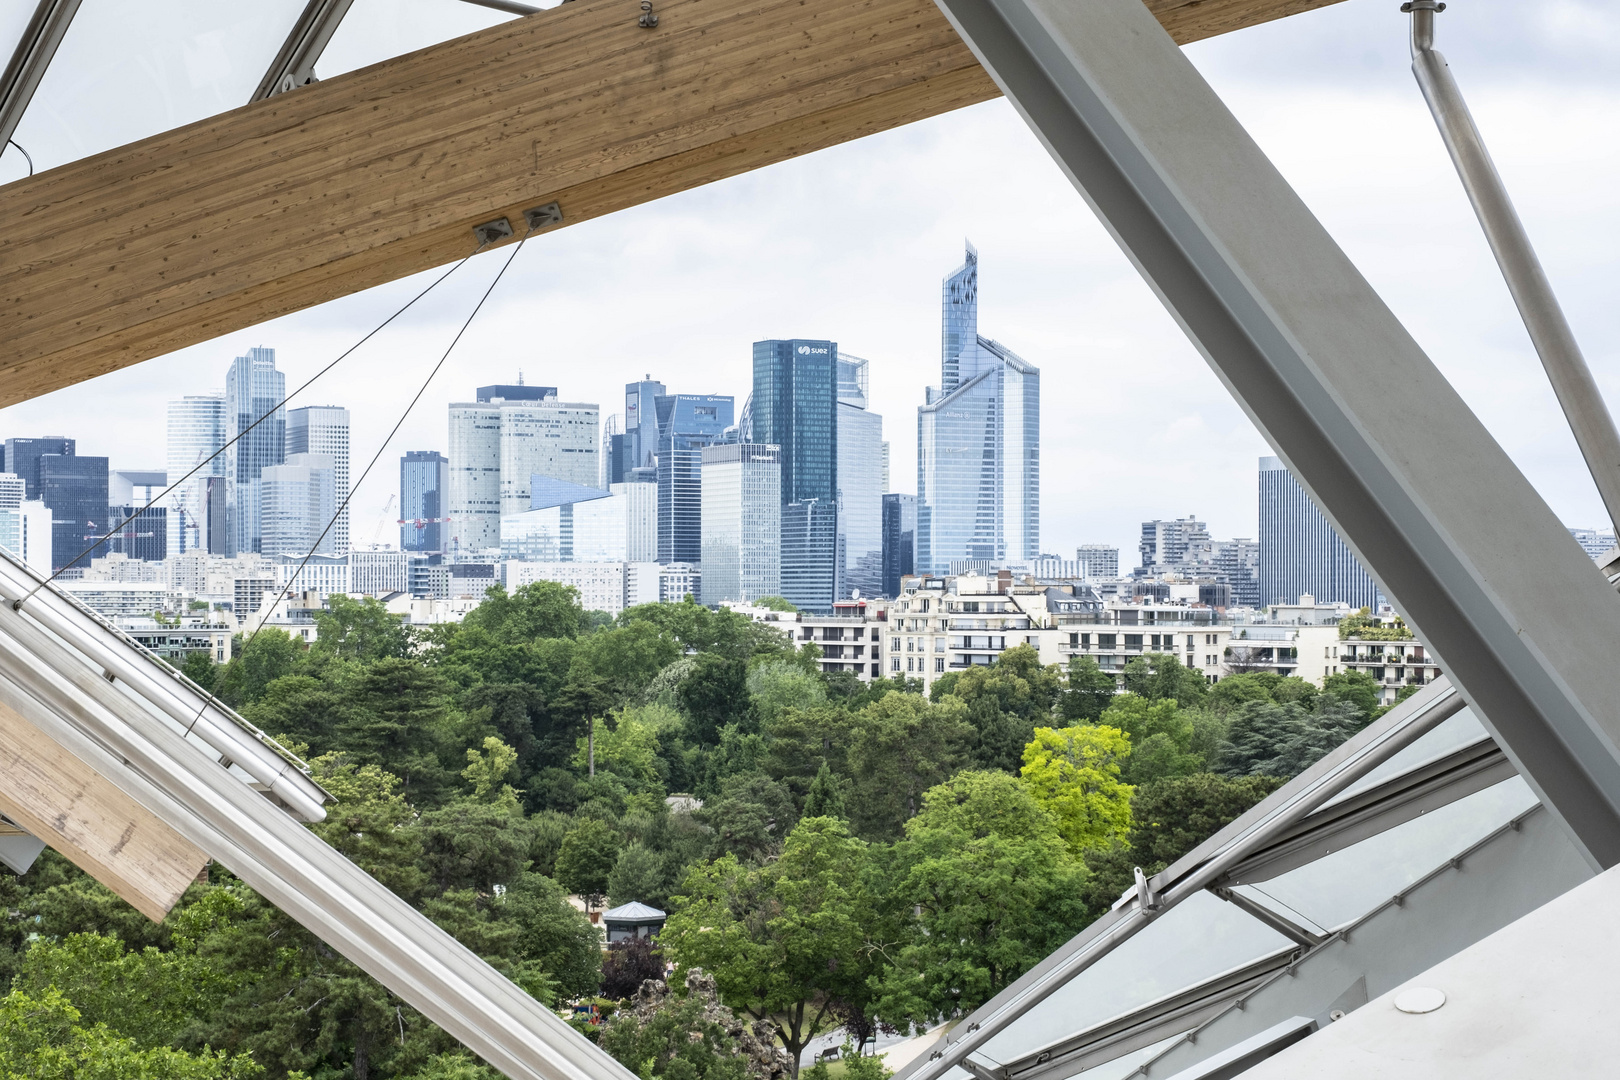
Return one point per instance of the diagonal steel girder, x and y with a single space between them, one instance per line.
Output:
1520 617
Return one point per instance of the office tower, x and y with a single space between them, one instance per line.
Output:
686 424
498 443
22 458
1097 560
795 407
254 390
899 541
1300 552
610 470
576 523
742 522
424 482
142 530
809 573
861 485
886 484
25 524
639 446
1595 542
1236 564
75 490
197 426
299 498
978 443
324 430
1168 545
546 438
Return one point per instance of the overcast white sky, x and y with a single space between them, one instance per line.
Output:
851 243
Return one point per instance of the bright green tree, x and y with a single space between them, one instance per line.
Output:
1074 773
997 890
42 1038
786 940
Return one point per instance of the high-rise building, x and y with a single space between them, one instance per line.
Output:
510 434
254 391
978 442
1097 560
638 448
1595 542
197 426
25 524
22 458
575 523
899 541
299 499
324 430
742 522
1301 552
610 470
142 530
424 482
1168 545
861 483
809 575
795 407
75 490
686 424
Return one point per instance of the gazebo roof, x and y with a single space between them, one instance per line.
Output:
633 912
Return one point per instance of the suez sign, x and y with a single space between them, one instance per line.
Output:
813 350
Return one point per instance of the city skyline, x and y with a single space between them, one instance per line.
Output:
660 288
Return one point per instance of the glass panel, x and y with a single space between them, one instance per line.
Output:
1453 734
1125 1066
14 16
1196 940
1345 885
375 30
126 71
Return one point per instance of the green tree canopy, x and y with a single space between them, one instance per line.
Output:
1087 691
1074 773
360 629
783 940
1172 816
587 856
540 609
901 746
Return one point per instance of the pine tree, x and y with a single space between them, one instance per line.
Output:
826 796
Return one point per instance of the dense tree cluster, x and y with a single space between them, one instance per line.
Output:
832 853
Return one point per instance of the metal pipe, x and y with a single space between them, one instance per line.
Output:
1376 744
1550 332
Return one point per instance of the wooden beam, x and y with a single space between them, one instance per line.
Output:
380 173
77 811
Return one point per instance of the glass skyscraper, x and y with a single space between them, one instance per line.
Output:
197 428
686 424
298 500
424 482
742 522
1301 552
253 389
75 490
860 484
899 541
324 430
637 449
978 442
795 407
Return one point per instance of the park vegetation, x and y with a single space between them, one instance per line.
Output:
864 855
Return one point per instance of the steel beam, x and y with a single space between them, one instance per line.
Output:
32 56
294 65
1404 470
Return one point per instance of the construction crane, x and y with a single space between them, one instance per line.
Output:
383 521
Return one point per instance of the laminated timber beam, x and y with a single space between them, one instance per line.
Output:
56 796
380 173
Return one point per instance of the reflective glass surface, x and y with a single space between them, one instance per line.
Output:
1345 885
14 16
1459 731
125 71
1125 1066
1196 940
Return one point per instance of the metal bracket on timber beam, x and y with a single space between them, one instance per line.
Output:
374 175
54 795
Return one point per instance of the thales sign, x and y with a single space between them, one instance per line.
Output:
812 350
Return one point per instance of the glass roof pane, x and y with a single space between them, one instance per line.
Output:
125 71
1194 941
375 30
1453 734
1125 1066
1345 885
14 17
